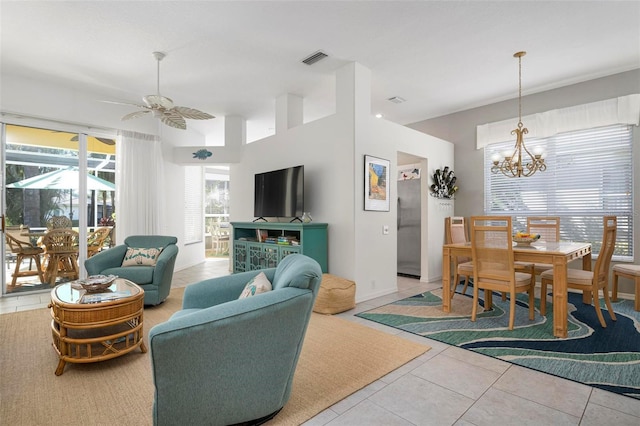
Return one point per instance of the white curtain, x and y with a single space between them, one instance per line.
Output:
622 110
139 182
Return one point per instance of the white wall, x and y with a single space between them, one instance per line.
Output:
332 150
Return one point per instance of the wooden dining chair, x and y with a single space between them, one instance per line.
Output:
592 281
548 227
631 272
456 231
61 255
493 265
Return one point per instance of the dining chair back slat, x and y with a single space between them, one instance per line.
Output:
548 227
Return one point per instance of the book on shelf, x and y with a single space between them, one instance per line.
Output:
287 240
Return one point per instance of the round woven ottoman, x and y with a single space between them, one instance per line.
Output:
336 295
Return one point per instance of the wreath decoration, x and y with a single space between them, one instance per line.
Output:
444 185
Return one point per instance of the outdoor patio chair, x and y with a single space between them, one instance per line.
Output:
96 240
56 222
23 249
61 255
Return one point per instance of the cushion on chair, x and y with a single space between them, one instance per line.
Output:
466 267
257 285
574 276
336 295
141 256
627 269
139 275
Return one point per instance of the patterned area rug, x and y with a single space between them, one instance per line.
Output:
606 358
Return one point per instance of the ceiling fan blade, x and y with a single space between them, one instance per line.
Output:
157 101
105 141
75 138
135 114
173 119
193 114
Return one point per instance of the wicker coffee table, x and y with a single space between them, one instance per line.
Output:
92 327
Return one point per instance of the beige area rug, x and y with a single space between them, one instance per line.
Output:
339 357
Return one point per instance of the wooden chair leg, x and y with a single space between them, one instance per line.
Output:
636 304
39 266
17 271
596 305
614 287
512 309
543 297
532 302
474 308
466 284
607 301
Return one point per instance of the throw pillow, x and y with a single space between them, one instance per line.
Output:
141 256
258 284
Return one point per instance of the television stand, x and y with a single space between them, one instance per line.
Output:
295 219
255 220
263 245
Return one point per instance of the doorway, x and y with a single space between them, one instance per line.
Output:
411 215
42 188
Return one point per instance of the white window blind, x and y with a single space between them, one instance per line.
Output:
193 204
589 175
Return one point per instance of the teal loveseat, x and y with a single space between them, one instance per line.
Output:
223 360
155 280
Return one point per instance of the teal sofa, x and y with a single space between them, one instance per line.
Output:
155 280
223 360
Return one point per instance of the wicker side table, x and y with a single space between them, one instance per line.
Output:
92 327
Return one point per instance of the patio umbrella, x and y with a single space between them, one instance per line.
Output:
67 178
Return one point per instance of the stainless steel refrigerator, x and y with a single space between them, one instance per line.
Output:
409 218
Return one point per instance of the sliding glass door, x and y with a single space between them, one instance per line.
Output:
51 179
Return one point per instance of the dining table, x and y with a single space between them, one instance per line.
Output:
558 254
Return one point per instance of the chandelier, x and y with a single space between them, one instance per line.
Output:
521 162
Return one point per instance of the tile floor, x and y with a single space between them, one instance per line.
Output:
444 386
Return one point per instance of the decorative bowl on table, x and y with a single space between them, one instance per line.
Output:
524 239
97 283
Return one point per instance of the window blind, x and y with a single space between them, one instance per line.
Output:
589 175
193 204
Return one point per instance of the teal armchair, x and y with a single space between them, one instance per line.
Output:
155 280
223 360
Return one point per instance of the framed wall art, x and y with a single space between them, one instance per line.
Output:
376 184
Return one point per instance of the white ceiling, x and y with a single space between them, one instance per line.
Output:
236 58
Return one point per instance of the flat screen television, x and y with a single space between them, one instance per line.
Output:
279 193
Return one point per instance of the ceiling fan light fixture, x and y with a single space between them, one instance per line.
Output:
163 108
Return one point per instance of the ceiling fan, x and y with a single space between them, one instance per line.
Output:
163 107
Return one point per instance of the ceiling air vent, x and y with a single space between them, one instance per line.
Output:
396 100
314 57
